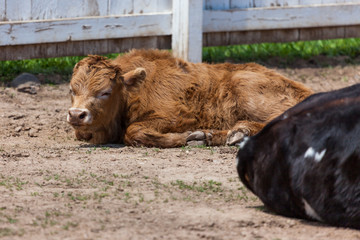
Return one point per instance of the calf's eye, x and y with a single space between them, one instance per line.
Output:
104 95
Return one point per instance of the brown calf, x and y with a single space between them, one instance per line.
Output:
150 98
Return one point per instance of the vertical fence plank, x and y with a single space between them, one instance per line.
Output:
69 8
290 3
241 4
2 10
268 3
53 9
102 7
17 10
144 6
261 3
217 4
80 8
151 6
164 5
321 33
309 2
187 29
43 9
333 1
120 7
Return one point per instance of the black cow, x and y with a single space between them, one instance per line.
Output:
306 162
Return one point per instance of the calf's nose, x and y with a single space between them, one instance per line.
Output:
78 116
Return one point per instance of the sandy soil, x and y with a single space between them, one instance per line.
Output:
54 187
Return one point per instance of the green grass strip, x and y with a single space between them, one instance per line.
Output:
292 50
60 65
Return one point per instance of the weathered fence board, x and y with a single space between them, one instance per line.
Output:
81 48
281 18
17 33
281 35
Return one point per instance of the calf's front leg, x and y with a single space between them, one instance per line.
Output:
138 134
225 137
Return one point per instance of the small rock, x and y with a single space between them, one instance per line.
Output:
32 133
20 155
27 83
18 129
16 116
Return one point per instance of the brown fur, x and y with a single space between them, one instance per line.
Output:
157 100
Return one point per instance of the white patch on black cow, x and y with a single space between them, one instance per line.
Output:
310 153
310 211
243 143
319 156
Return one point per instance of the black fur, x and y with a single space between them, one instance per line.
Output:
274 166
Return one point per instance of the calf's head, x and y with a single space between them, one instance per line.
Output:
98 91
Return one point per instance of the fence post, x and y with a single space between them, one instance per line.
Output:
187 21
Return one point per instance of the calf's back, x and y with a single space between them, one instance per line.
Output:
213 96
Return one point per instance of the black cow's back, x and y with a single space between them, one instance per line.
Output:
306 162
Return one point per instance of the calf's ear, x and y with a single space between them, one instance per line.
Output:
135 76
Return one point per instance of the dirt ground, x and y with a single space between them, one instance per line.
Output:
54 187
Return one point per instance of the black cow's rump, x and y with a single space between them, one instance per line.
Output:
306 162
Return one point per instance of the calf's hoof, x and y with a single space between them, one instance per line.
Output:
234 137
198 138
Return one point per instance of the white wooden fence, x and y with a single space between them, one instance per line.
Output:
50 28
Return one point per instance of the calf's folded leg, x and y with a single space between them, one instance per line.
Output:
207 137
225 137
140 135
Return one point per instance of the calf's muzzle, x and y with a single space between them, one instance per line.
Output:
79 117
